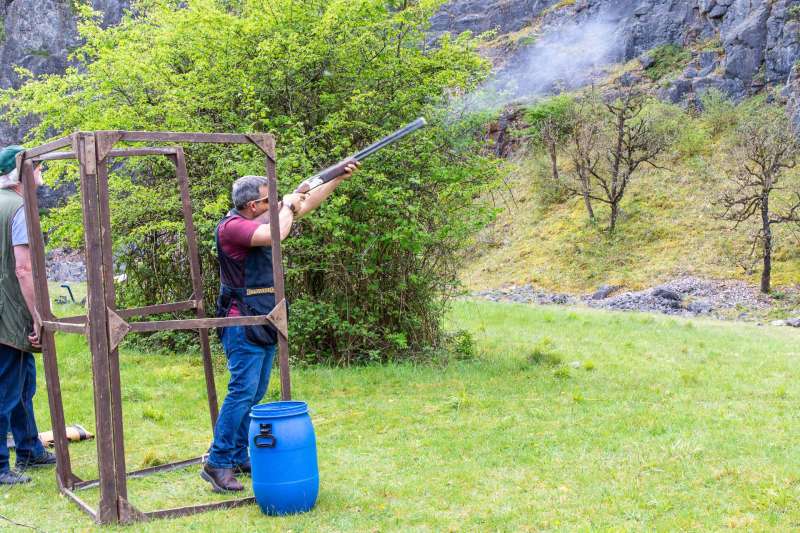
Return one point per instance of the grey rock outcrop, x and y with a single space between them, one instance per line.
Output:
744 45
792 94
37 35
65 266
482 16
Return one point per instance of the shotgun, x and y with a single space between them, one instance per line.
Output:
337 170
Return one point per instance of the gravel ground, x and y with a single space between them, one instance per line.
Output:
686 296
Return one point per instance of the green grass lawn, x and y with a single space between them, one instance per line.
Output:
566 420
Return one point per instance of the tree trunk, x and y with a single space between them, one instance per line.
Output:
614 213
551 148
588 202
767 230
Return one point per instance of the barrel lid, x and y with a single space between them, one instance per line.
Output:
278 409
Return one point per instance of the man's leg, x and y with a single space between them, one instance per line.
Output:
10 390
241 457
245 369
30 451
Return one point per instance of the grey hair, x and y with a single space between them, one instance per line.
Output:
245 189
9 180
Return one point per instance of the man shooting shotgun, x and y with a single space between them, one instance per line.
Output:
246 288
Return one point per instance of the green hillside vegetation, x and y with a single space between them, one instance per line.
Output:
669 223
667 59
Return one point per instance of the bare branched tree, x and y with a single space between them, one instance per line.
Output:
633 139
763 151
609 142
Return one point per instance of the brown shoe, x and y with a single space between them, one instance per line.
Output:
221 479
243 468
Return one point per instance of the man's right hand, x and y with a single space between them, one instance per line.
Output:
296 199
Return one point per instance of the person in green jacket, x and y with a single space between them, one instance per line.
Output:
20 328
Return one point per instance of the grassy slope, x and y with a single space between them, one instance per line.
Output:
665 424
668 229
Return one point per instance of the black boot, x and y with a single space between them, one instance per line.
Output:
46 459
12 477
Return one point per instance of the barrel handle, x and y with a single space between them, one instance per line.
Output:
265 435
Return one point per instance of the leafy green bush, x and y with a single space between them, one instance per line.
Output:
461 344
667 59
367 273
547 190
544 353
719 112
693 140
690 135
556 110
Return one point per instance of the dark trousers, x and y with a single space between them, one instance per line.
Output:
250 366
17 387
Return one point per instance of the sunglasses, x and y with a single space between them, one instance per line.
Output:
265 199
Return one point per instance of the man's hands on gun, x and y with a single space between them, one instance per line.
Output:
296 200
341 173
314 197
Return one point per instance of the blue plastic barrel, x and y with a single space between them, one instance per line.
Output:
283 454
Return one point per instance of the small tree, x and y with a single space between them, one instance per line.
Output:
551 123
633 139
609 143
583 149
763 150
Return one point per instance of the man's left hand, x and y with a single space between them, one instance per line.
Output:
350 169
35 337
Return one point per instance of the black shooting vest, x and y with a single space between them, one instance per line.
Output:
257 296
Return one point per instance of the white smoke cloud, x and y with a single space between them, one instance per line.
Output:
563 58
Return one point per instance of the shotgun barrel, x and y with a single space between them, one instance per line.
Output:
337 170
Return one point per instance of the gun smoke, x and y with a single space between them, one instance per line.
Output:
562 58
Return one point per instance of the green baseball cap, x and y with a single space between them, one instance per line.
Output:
8 158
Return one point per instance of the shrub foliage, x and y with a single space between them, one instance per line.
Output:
365 274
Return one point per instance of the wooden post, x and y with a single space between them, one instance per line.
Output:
97 323
277 269
197 282
42 296
111 303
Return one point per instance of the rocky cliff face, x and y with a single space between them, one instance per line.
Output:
38 35
740 46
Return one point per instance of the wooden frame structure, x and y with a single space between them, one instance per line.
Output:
105 326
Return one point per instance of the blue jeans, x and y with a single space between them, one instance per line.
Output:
17 387
249 366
